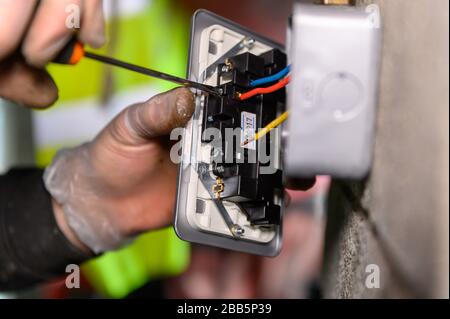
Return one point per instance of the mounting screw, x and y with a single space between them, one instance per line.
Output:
237 230
249 43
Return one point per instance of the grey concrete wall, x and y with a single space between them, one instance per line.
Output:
399 218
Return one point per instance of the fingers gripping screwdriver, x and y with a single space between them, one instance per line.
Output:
74 51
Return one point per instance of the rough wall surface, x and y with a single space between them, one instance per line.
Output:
399 219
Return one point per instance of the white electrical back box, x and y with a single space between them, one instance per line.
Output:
335 57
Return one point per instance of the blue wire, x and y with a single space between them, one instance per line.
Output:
271 78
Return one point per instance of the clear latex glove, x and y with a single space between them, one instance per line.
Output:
31 34
123 182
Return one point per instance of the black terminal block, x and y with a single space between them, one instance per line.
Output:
243 182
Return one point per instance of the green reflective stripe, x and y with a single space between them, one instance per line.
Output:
116 274
178 254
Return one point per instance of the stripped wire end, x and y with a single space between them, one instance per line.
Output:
237 95
275 123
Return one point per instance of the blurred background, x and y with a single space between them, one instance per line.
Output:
397 219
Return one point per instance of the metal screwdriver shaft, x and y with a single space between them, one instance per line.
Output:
153 73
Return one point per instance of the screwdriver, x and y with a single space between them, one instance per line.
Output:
74 51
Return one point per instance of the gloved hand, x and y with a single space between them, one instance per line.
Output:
123 182
32 36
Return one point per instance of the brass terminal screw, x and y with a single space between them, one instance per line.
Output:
218 187
229 64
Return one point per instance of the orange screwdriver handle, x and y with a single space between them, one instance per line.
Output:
71 53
